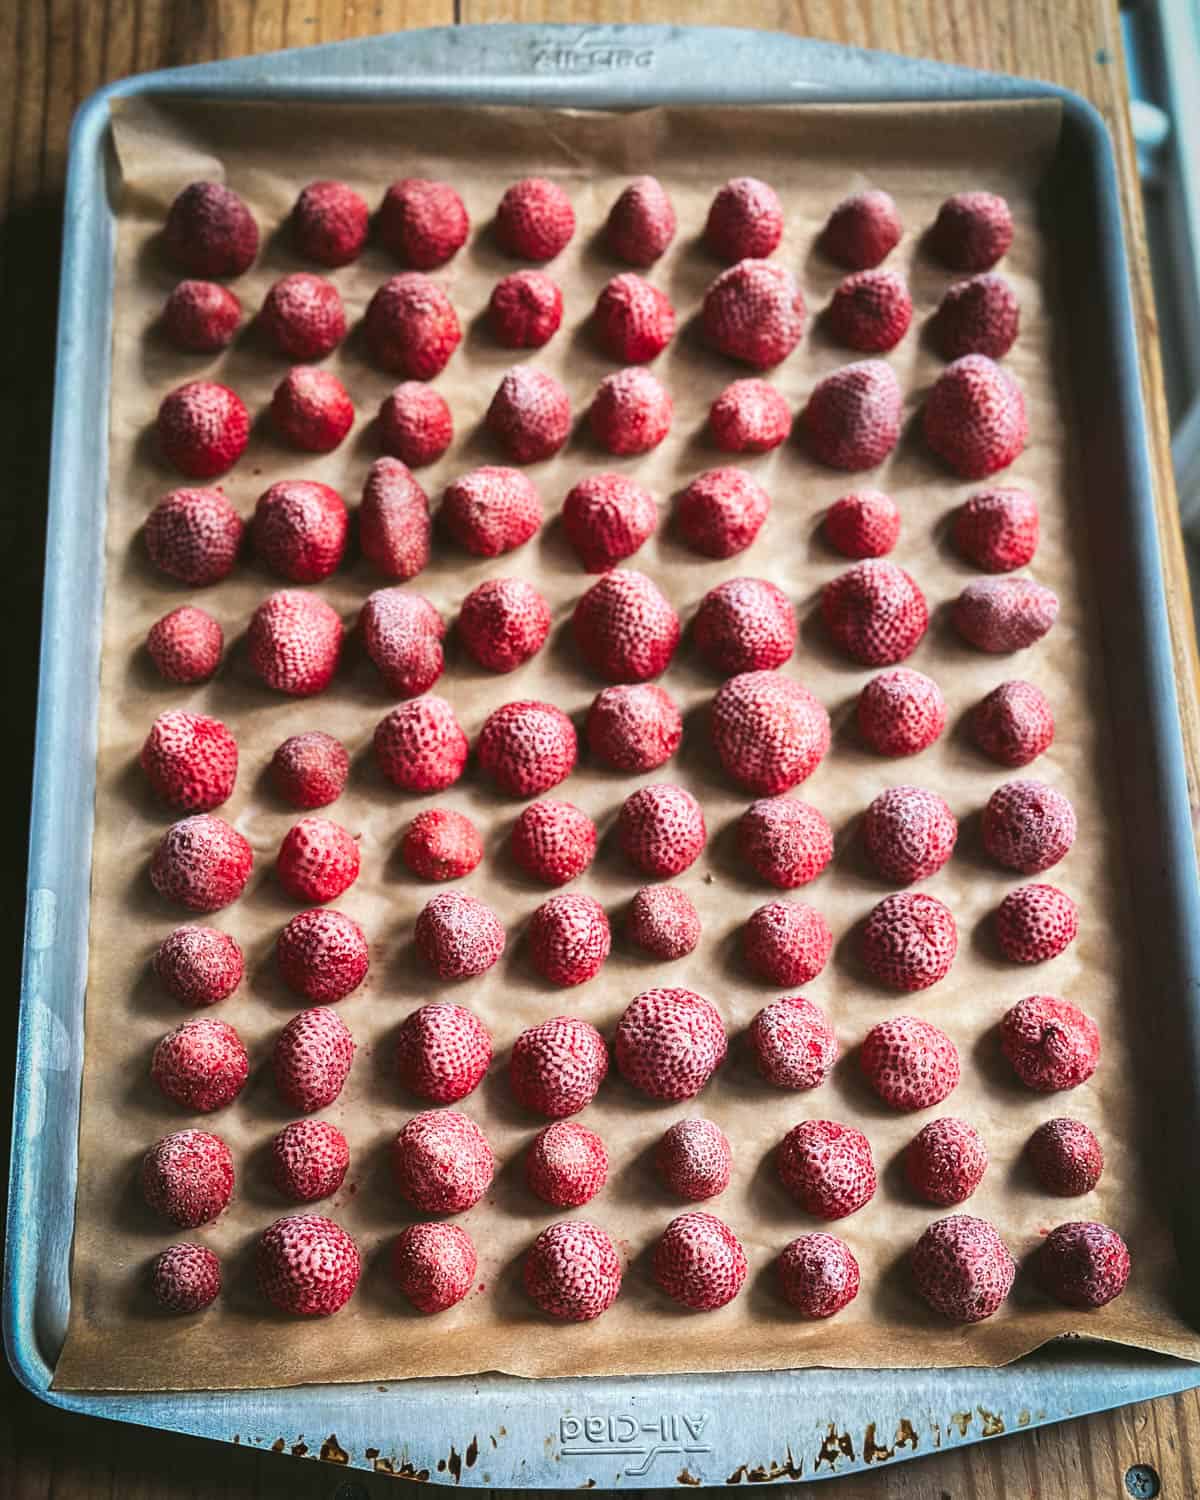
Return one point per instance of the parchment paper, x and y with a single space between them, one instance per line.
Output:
813 156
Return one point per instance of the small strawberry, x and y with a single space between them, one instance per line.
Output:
303 317
569 939
317 861
945 1161
403 636
864 524
307 1265
862 230
556 1068
300 529
632 321
769 731
901 712
699 1262
694 1160
329 223
875 612
527 747
1028 826
201 1064
745 625
663 922
573 1271
491 510
979 316
1000 615
190 760
972 231
909 941
997 530
202 863
188 1177
322 955
433 1265
634 727
660 829
442 1162
423 224
871 311
818 1275
909 834
1051 1044
793 1043
1066 1158
745 219
911 1064
309 770
210 231
202 428
186 645
440 844
827 1167
530 415
194 536
749 416
786 942
721 512
1014 724
566 1165
311 1059
199 965
442 1052
185 1278
420 745
503 623
669 1043
525 310
393 521
415 424
606 518
309 1160
411 326
641 222
631 412
974 418
294 641
458 936
1036 922
1083 1264
311 409
201 317
852 419
784 841
534 219
962 1268
624 628
755 312
553 842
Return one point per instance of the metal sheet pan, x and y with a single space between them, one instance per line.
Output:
498 1431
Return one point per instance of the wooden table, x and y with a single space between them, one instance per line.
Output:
53 53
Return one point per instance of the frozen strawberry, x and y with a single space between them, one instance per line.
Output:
311 1059
307 1265
1066 1157
864 524
1051 1043
979 316
749 416
663 922
210 231
745 220
769 731
317 860
311 409
569 939
403 636
862 231
871 311
1083 1264
624 628
972 231
694 1160
911 1064
793 1043
491 510
433 1265
634 727
393 521
556 1067
194 536
631 412
503 623
606 518
909 941
997 530
309 1160
699 1261
567 1164
530 415
201 1064
202 428
818 1275
641 223
185 1278
300 529
754 312
974 418
786 942
669 1043
303 316
660 829
411 326
440 844
190 760
527 747
199 965
1028 826
458 936
442 1052
745 625
1036 922
632 321
534 219
329 223
909 834
573 1271
322 955
420 745
721 512
1000 615
415 424
525 310
203 863
188 1177
186 645
875 612
201 317
424 224
962 1268
294 641
310 769
441 1162
553 841
827 1167
852 419
945 1161
901 712
1014 724
784 841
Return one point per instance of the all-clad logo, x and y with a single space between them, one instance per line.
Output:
588 53
639 1440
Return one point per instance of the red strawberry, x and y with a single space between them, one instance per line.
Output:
624 628
972 231
962 1268
1000 615
300 529
329 223
909 833
309 1160
411 326
393 521
871 311
188 1177
865 524
442 1052
699 1262
606 518
745 219
190 760
669 1043
534 219
793 1043
442 1162
307 1265
530 415
909 941
979 316
1028 826
403 636
910 1064
784 841
569 939
663 922
310 770
440 844
194 536
566 1165
631 412
852 419
503 623
424 224
641 223
660 829
201 317
202 863
1051 1043
202 428
862 230
210 231
1083 1264
749 416
875 612
745 625
186 644
1014 724
420 745
491 510
721 512
317 861
458 936
974 417
311 1060
901 712
633 321
185 1278
527 747
694 1160
945 1161
997 530
553 841
525 310
754 312
786 942
573 1271
294 642
303 316
634 727
311 409
201 1064
433 1265
1066 1158
818 1275
769 731
556 1067
415 424
827 1167
1036 922
322 955
199 965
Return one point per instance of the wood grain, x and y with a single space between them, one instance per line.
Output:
53 53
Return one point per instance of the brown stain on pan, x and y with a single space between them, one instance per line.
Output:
685 1476
332 1451
472 1454
404 1471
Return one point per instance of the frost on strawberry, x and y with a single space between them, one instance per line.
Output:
769 731
458 936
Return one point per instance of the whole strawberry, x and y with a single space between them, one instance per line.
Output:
311 409
875 612
852 418
503 623
660 829
1000 615
309 1160
641 222
491 510
525 310
633 321
634 727
194 536
945 1161
784 841
1050 1043
1066 1157
862 230
871 311
201 1064
694 1160
420 746
911 1064
394 527
669 1043
827 1167
185 1278
311 1059
440 844
573 1271
556 1067
745 625
769 731
721 512
329 223
441 1162
527 747
786 942
553 842
424 224
190 760
663 922
317 860
972 231
699 1261
458 936
979 316
566 1165
300 529
307 1265
793 1043
322 955
188 1177
818 1275
201 317
403 636
900 712
1083 1264
909 834
442 1052
202 428
210 231
755 312
606 518
909 941
530 415
1028 826
1036 922
202 862
186 645
749 416
974 418
415 424
199 965
631 412
303 317
962 1268
624 628
569 939
534 219
864 524
1014 724
411 327
433 1265
745 219
310 770
997 530
294 641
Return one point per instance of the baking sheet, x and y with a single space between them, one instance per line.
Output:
813 156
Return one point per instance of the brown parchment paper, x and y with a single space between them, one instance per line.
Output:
813 156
